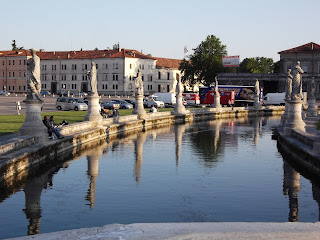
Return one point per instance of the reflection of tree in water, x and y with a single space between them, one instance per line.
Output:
206 142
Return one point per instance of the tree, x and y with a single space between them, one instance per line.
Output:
257 65
14 46
96 49
204 63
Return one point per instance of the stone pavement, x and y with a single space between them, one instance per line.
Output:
191 231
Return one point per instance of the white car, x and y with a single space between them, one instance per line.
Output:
2 92
65 103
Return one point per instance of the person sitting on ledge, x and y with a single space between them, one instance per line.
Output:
51 127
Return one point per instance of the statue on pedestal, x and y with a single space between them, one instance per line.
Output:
139 83
33 79
312 89
289 85
179 89
93 79
216 87
297 83
257 88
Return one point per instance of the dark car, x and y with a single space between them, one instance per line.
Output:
45 93
131 102
110 105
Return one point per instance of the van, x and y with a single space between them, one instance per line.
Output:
65 103
274 99
166 98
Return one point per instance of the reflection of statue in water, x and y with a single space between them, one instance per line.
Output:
257 88
216 87
289 85
93 78
312 89
139 83
297 83
33 80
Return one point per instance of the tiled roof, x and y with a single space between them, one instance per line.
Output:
309 47
93 54
168 63
15 53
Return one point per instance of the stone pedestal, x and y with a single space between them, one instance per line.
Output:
179 108
139 108
33 125
312 111
285 115
256 102
294 120
216 103
93 109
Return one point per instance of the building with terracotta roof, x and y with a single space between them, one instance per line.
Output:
13 70
63 71
309 57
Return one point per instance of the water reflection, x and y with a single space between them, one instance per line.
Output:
93 157
197 147
291 187
138 150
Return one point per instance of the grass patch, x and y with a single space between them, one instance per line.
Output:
318 125
11 123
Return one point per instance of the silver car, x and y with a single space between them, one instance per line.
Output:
110 105
123 104
65 103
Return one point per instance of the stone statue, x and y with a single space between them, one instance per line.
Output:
139 83
257 88
179 89
289 85
216 87
297 83
93 79
312 89
33 80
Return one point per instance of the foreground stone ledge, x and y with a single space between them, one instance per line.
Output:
191 231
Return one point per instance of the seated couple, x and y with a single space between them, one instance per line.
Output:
51 127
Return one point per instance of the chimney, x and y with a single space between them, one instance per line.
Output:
68 56
311 46
141 50
74 52
54 53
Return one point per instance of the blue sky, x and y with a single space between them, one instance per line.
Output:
249 28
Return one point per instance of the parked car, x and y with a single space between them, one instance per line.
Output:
131 102
65 103
110 105
2 92
123 104
45 93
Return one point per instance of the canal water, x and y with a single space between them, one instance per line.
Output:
215 171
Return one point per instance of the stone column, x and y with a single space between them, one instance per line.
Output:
93 109
285 115
294 120
256 102
312 111
216 103
33 125
139 108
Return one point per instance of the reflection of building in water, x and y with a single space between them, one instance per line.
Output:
138 148
93 157
32 191
316 195
178 133
291 187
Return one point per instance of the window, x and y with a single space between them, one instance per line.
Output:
44 67
13 88
142 66
319 67
168 76
84 77
53 77
74 77
142 77
115 66
9 64
150 78
12 74
106 66
24 62
13 64
19 74
19 64
9 88
305 67
159 75
3 62
63 77
97 66
115 77
84 66
149 87
130 66
9 74
19 88
106 77
63 67
115 86
54 67
74 67
24 74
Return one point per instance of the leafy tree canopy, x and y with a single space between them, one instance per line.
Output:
204 63
14 46
257 65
